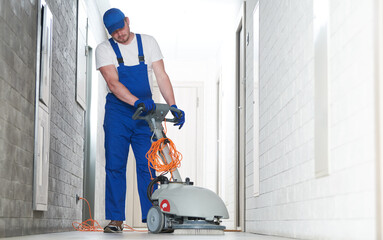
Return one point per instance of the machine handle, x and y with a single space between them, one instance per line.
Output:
174 119
149 115
137 113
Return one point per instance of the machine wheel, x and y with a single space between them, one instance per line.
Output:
155 220
169 230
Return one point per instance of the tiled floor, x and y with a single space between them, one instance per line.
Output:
136 235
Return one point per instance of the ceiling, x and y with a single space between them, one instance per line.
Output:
187 31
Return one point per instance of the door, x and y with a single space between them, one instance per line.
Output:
379 119
241 127
188 140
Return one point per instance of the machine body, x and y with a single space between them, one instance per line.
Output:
177 204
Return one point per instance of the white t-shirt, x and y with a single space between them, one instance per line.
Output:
105 54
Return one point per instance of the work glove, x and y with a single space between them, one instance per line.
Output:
147 104
180 118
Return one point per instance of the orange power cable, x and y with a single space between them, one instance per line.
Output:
155 156
89 225
92 225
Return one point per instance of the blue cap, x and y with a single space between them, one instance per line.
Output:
114 19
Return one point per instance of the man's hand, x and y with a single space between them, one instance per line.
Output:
180 117
147 104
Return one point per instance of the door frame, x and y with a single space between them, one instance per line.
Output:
219 135
379 115
90 122
240 162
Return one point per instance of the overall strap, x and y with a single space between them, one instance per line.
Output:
117 51
141 57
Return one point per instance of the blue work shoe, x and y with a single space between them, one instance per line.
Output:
114 227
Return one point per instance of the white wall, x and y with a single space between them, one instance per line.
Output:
292 201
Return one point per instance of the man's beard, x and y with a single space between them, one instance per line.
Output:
123 39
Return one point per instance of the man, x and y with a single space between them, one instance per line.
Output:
126 61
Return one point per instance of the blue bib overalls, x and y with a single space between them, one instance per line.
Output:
121 131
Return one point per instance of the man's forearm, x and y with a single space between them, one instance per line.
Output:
110 75
164 83
166 90
122 93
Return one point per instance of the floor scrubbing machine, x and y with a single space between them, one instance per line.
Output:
179 206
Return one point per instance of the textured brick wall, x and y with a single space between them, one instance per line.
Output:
292 201
17 92
17 67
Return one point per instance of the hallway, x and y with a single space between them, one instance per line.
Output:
102 236
283 103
